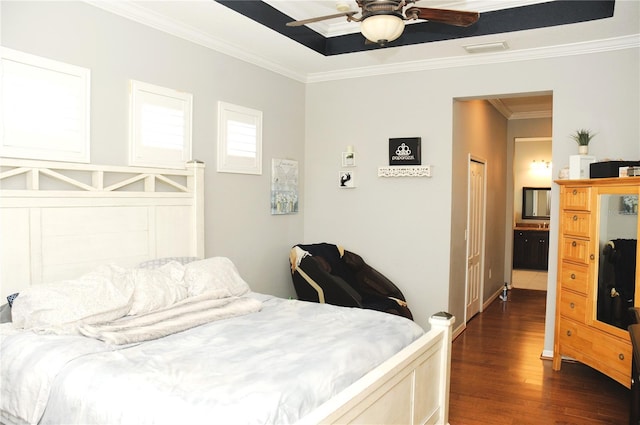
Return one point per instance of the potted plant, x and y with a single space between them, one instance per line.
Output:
582 138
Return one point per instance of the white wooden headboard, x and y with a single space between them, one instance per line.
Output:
60 220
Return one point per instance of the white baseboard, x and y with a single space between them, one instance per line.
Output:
547 355
457 331
530 286
491 298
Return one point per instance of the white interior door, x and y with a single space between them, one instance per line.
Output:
475 237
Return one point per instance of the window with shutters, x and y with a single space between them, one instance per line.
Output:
44 108
160 126
239 139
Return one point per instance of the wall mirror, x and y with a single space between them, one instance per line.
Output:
617 241
536 203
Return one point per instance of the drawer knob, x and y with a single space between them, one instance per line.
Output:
569 333
572 305
575 218
621 356
574 243
573 276
593 257
575 191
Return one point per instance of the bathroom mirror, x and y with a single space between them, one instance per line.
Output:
536 202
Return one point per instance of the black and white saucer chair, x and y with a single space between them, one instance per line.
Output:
328 273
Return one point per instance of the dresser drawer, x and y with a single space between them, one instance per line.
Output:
574 277
576 223
576 198
573 306
575 250
575 335
609 354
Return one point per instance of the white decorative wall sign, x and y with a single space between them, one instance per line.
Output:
347 180
284 186
413 171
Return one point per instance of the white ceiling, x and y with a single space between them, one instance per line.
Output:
211 24
524 107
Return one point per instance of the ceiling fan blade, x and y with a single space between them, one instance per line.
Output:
459 18
322 18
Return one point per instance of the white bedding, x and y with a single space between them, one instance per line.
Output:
268 367
186 314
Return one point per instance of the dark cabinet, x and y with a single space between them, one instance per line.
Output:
531 249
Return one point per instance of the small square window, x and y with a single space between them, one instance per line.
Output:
239 139
160 126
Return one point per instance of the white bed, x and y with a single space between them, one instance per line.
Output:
59 221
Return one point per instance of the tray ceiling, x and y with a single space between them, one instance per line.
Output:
335 49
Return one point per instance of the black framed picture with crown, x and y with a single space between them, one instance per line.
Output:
405 151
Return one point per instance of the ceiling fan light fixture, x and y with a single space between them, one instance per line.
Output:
342 6
383 28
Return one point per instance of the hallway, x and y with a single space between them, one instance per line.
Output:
497 376
529 279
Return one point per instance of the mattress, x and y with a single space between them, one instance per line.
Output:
271 366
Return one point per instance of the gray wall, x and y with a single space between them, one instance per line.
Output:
479 130
238 221
407 227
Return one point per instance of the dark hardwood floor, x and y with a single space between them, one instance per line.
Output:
498 377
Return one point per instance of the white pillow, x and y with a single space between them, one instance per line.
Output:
102 295
216 274
159 262
157 288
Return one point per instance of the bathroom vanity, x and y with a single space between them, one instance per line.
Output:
531 247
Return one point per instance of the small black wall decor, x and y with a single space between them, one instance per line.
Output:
404 151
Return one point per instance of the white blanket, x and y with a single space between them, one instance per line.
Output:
270 367
178 317
29 366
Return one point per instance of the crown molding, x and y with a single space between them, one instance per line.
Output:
582 48
531 115
143 16
500 107
510 115
160 22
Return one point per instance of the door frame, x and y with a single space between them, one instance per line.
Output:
474 158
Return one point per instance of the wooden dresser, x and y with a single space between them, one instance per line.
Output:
593 213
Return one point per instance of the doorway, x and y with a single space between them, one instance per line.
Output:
486 127
531 170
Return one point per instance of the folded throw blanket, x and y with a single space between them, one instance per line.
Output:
186 314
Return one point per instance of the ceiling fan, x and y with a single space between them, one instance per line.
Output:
382 21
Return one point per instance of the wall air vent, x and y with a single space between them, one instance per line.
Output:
486 47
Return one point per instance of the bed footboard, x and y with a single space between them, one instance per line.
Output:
412 387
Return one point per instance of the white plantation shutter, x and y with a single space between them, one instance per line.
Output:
160 126
44 106
239 139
